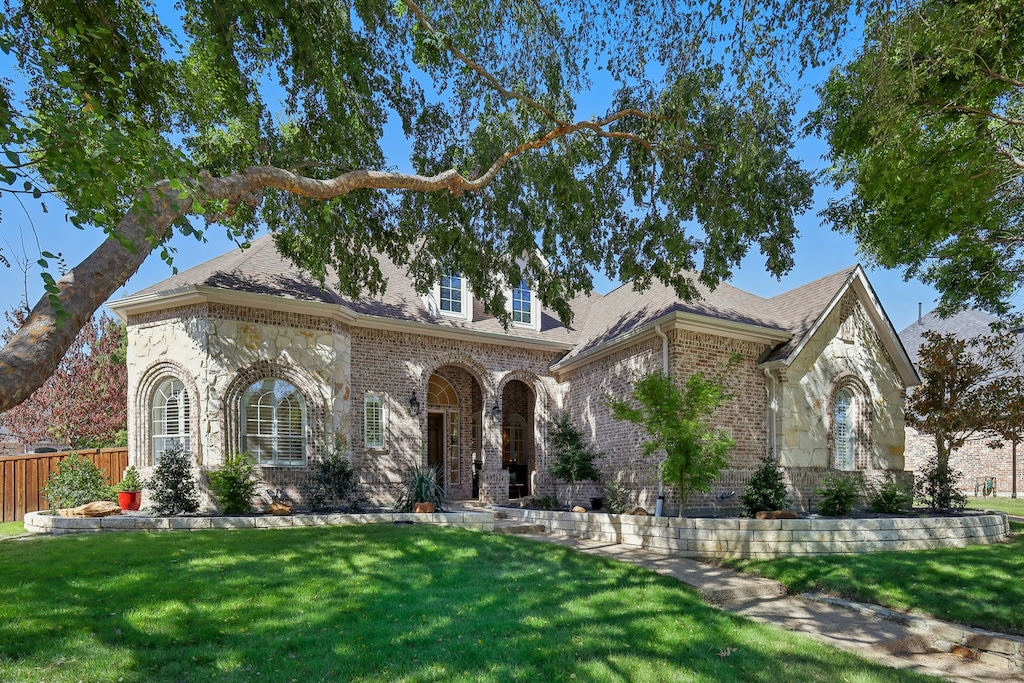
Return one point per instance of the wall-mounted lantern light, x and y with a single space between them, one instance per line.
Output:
414 404
496 411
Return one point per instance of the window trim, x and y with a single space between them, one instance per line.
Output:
466 298
374 397
275 437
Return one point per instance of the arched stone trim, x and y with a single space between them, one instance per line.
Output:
474 368
541 411
317 404
863 416
142 423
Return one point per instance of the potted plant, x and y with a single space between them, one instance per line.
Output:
129 491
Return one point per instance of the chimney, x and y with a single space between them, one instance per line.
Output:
918 312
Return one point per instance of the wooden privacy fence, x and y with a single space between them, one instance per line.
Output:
21 477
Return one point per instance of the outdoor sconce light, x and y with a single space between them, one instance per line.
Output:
414 404
496 410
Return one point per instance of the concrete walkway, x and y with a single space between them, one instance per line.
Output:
892 643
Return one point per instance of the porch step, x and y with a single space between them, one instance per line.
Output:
510 526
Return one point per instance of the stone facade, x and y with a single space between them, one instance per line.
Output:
844 353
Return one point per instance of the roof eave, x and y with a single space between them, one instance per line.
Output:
890 340
199 294
678 320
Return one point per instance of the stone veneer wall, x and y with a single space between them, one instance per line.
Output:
976 460
397 363
844 352
215 349
767 538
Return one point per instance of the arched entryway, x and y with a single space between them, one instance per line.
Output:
453 443
518 450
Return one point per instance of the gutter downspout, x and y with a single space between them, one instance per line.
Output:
771 388
659 506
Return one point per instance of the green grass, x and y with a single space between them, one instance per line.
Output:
1011 506
11 528
373 603
978 586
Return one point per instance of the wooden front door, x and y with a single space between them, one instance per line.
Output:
435 442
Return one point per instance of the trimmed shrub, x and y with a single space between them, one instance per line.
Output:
839 495
936 487
333 477
77 481
173 486
891 496
233 484
766 490
131 480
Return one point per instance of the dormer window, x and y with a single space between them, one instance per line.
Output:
452 299
522 305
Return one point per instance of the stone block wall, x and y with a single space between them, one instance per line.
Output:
768 538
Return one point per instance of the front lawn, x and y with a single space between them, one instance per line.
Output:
373 603
1011 506
11 528
978 586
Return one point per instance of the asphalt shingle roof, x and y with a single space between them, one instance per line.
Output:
965 324
597 319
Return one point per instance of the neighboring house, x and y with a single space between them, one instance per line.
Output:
245 352
976 459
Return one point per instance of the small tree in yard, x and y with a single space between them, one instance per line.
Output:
676 421
573 460
970 388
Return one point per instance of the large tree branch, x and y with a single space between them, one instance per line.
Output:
35 349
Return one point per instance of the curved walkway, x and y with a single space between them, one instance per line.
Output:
864 630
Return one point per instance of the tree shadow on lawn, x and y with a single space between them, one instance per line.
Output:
977 585
372 603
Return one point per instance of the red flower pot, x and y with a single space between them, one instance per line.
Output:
129 500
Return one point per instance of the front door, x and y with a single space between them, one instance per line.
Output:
435 443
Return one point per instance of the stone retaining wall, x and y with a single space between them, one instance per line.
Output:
47 523
767 538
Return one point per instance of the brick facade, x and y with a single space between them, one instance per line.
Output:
217 351
976 460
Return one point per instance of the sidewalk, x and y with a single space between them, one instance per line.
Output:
857 630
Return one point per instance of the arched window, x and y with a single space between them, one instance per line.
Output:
274 423
844 430
169 410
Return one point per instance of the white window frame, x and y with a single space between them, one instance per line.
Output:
269 406
374 410
532 315
466 300
165 432
844 431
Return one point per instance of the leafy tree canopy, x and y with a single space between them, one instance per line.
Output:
927 126
137 119
971 388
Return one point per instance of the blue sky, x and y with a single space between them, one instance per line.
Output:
819 250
